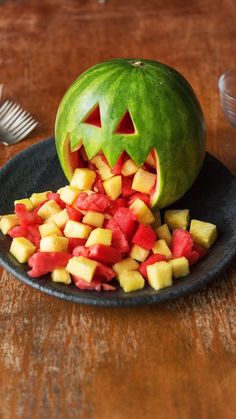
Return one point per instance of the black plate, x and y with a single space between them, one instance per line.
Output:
212 198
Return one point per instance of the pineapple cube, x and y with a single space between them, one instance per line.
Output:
99 236
83 178
61 275
161 247
22 249
53 244
94 218
131 281
143 181
113 187
177 219
103 169
38 198
48 229
203 233
159 275
26 202
7 222
125 265
48 209
129 168
157 222
68 194
139 253
60 218
75 229
180 267
82 267
142 212
150 160
163 232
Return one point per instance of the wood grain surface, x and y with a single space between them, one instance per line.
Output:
60 360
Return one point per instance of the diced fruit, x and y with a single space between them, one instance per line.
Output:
77 230
127 190
53 244
157 222
124 265
44 262
193 257
104 272
142 196
61 275
48 209
7 222
116 170
126 221
119 240
99 236
129 168
142 212
203 233
150 261
163 232
145 237
177 219
37 198
131 281
96 284
139 253
22 249
104 254
69 194
26 217
182 243
143 181
180 267
75 242
159 275
150 160
200 250
82 266
118 203
83 178
95 202
161 247
113 187
26 202
73 214
48 229
94 218
56 197
81 251
103 168
60 218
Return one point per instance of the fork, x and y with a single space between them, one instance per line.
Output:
15 123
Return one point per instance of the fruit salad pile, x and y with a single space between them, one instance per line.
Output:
100 229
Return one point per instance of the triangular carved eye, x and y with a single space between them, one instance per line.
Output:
126 125
94 117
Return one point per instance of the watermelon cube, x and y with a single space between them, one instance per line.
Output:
145 237
126 221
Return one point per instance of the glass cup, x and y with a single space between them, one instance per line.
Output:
227 88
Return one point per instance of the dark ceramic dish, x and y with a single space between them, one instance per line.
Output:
212 198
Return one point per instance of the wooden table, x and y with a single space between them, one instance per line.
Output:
61 360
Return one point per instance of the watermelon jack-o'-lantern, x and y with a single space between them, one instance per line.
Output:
137 107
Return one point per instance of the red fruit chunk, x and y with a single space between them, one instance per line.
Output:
126 221
75 242
73 214
98 185
104 254
118 166
26 217
181 244
118 203
94 202
145 237
36 236
118 238
150 261
30 232
108 287
139 195
95 284
81 251
40 205
56 197
44 262
126 186
201 251
104 272
193 257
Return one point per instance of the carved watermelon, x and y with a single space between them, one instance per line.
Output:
135 106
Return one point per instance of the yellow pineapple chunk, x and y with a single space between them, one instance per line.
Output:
157 222
60 218
75 229
48 229
83 178
103 169
99 236
38 198
53 244
48 209
131 281
139 253
7 222
203 233
177 219
129 168
113 187
61 275
161 247
150 160
142 212
143 181
159 275
68 194
94 218
163 232
22 249
82 267
180 267
124 265
26 202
